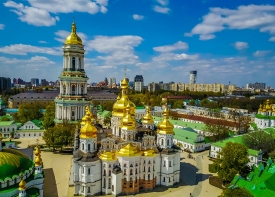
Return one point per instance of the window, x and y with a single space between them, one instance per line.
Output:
168 143
82 170
131 172
72 113
79 60
109 183
163 179
104 183
82 146
109 172
104 172
131 182
125 165
164 163
89 190
131 165
124 171
89 171
162 142
112 187
136 171
148 169
73 63
170 164
89 147
125 181
144 169
149 162
169 179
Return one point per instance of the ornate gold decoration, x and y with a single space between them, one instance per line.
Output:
73 38
128 123
88 130
165 126
22 184
147 118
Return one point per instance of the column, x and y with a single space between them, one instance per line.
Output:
77 88
61 88
64 61
76 113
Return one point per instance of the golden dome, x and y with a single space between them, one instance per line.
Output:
107 156
38 161
149 153
22 185
129 151
121 103
260 108
128 123
165 126
73 38
147 118
1 137
88 130
37 151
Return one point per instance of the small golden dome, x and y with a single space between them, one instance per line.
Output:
88 130
129 151
165 126
147 118
37 151
149 153
128 123
260 108
124 83
1 137
73 38
107 156
22 185
38 161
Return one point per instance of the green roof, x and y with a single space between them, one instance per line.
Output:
37 123
183 124
13 162
140 107
260 182
186 135
29 130
237 139
5 123
260 116
32 192
105 113
270 130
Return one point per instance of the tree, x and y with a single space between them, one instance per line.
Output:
192 102
49 115
49 137
231 160
236 192
28 111
217 129
260 140
177 104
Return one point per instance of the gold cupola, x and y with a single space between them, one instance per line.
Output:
22 185
129 151
107 156
260 108
38 160
123 101
88 130
128 122
73 38
147 118
165 126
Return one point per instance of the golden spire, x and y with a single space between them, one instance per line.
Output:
38 160
88 130
22 184
165 126
147 118
128 123
73 38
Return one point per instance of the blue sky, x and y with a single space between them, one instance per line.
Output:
162 40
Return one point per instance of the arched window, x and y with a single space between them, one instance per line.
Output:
124 171
162 142
164 163
89 147
148 177
79 61
104 173
89 171
109 183
170 164
131 172
149 162
82 146
73 63
109 172
82 170
131 165
136 171
89 190
125 165
82 89
104 183
144 169
169 179
73 89
149 169
168 143
163 179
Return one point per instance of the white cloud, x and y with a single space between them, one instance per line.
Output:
173 56
138 17
207 36
42 41
31 15
62 35
22 49
38 13
272 39
2 26
261 53
241 45
188 34
163 2
160 9
168 48
260 17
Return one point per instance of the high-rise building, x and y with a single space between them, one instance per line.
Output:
35 82
5 85
44 82
72 100
138 83
193 76
111 81
260 86
20 81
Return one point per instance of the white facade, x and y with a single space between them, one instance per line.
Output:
29 134
29 126
253 159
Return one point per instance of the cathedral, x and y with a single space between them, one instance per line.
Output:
130 159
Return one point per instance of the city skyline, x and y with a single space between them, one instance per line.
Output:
218 40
